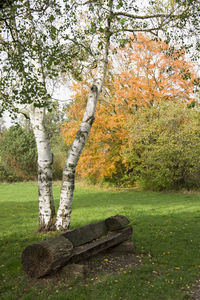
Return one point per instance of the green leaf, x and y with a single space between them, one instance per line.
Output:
123 21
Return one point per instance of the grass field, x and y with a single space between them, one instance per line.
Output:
166 236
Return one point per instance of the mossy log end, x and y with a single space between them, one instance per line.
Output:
47 256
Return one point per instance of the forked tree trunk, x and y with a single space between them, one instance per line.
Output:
45 163
67 189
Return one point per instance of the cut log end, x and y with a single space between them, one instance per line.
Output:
49 255
116 222
36 260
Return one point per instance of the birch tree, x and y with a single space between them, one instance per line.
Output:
111 21
22 88
66 196
34 51
44 31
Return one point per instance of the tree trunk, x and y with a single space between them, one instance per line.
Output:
45 163
46 256
67 189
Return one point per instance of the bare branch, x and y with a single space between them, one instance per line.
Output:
84 3
154 16
124 14
151 30
81 45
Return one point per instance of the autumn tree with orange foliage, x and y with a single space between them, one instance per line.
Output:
144 75
151 72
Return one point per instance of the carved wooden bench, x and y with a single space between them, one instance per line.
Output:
50 255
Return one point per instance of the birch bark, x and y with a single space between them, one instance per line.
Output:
45 162
68 182
37 115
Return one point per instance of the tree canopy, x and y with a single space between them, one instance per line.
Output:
142 76
42 39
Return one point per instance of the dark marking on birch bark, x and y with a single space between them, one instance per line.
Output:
69 177
71 165
80 134
44 177
46 227
94 89
52 158
90 120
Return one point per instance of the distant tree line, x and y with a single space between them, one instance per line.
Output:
18 152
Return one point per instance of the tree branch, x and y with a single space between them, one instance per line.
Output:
84 3
151 30
124 14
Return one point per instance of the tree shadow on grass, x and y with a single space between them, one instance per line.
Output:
168 242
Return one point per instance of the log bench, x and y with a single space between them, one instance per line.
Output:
50 255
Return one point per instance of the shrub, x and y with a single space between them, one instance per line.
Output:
59 150
18 154
164 148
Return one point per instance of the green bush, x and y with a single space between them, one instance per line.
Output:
53 123
6 176
18 154
59 149
164 148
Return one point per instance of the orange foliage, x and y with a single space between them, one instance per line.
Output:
150 73
144 74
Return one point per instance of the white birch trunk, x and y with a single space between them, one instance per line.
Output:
45 163
45 157
67 189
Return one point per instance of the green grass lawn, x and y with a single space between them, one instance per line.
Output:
166 236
